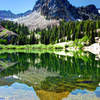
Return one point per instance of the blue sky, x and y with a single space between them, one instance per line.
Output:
18 6
85 2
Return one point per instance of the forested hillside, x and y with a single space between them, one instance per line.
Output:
66 31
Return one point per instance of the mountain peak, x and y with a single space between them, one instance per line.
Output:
62 9
49 12
7 14
59 9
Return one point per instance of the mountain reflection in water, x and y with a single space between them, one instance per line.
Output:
31 76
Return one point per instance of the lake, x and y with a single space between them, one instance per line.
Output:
49 76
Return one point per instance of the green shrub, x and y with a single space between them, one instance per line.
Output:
3 41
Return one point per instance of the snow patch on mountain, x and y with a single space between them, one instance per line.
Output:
99 11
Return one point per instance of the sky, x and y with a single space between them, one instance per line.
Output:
20 6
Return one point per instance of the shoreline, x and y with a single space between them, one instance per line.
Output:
94 49
58 48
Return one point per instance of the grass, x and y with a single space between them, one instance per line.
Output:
79 43
25 51
3 32
29 48
37 48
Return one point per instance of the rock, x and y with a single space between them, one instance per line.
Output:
98 30
56 9
62 9
97 39
1 28
88 12
94 48
36 20
50 12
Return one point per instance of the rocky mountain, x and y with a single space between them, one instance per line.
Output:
24 14
62 9
36 20
56 9
9 15
49 12
88 12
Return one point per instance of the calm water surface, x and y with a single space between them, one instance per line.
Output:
30 76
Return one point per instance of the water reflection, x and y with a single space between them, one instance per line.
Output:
52 76
79 94
17 91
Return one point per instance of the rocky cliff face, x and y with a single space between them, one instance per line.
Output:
88 12
46 12
36 20
62 9
57 9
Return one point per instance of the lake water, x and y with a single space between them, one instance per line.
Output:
44 76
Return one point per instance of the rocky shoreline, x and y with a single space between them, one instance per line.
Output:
94 48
